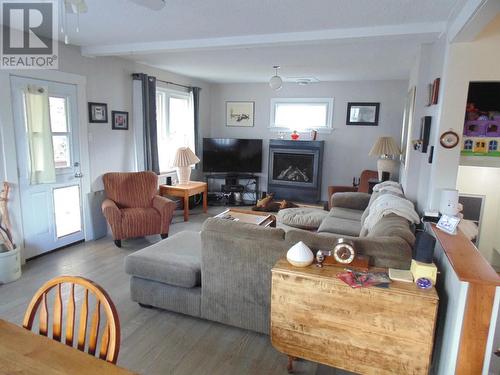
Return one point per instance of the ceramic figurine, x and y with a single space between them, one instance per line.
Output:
295 135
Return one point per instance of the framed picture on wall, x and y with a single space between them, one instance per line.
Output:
119 120
98 112
240 114
365 114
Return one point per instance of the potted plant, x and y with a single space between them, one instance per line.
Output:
10 258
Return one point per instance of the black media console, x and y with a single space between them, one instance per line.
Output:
241 189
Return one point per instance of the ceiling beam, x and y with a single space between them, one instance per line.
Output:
472 19
430 30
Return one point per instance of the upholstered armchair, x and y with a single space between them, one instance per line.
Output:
133 207
363 186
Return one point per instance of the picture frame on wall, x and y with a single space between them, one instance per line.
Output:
98 112
119 120
240 114
362 114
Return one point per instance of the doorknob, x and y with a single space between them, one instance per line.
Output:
78 172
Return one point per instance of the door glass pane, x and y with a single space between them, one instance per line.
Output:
58 118
67 210
61 151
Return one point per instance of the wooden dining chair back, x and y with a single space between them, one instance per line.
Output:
110 340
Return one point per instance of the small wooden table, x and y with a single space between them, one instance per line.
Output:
185 191
316 316
263 219
24 352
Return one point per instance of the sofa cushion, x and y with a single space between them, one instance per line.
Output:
303 218
340 226
346 213
393 226
175 261
356 201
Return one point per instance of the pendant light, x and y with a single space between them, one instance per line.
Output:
276 83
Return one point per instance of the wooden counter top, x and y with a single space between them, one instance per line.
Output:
468 263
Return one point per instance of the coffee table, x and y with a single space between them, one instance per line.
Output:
263 219
185 191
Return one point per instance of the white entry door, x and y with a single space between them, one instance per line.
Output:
51 212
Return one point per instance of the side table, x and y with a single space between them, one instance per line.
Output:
316 316
185 191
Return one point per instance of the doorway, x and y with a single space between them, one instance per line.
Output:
51 206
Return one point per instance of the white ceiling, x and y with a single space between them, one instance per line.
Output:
240 40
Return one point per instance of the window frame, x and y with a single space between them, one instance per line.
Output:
68 133
166 94
328 128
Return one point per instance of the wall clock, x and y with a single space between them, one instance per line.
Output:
449 139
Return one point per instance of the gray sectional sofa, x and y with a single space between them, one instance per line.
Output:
223 272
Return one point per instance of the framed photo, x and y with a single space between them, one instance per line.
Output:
98 112
362 114
119 120
240 114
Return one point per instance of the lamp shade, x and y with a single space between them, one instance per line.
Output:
184 157
385 146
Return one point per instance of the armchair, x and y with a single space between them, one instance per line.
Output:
133 208
363 186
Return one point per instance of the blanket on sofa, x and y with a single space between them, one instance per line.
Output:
392 186
390 204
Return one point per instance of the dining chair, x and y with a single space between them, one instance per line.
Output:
110 340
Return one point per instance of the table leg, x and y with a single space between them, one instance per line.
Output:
205 200
289 366
186 206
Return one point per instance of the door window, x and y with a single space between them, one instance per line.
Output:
60 132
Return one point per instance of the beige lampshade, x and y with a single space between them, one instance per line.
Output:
184 157
385 146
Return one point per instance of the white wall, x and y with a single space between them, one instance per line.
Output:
346 148
428 66
484 181
466 62
108 80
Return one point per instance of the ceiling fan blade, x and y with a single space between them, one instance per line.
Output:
151 4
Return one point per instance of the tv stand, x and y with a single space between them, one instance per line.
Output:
238 189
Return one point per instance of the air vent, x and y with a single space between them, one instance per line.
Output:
303 80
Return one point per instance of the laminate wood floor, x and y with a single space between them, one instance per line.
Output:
153 341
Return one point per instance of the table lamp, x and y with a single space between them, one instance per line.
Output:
184 159
386 149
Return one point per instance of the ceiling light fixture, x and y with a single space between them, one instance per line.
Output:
73 7
276 83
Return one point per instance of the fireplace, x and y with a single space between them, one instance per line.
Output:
295 170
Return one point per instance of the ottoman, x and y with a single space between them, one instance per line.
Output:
167 274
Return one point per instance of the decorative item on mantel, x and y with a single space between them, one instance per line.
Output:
184 159
386 149
295 135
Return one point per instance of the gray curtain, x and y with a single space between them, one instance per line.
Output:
149 121
196 108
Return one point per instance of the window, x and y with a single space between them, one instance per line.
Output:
175 119
60 132
301 114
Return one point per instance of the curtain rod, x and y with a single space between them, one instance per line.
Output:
175 84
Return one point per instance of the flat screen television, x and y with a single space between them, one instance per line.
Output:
232 155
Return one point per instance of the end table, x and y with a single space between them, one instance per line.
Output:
185 191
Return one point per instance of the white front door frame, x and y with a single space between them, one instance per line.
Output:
9 152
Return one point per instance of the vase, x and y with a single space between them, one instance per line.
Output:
10 265
300 255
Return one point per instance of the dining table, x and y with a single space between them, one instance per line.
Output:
25 352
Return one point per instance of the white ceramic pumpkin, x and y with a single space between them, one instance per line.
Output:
300 255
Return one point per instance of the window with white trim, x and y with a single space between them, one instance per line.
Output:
301 114
175 125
